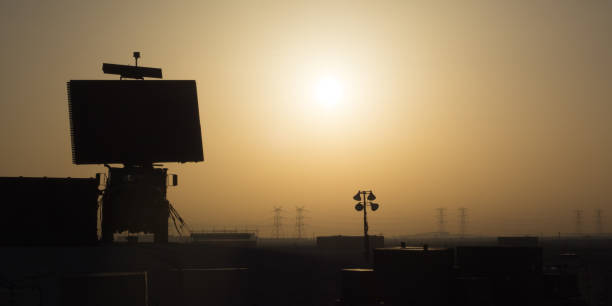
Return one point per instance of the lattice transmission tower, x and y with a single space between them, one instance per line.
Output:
278 222
578 221
599 221
299 222
462 221
441 220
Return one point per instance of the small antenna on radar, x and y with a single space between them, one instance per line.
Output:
136 57
132 72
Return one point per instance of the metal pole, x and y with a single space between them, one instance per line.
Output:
365 229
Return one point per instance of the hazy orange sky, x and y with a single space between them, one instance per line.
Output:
502 107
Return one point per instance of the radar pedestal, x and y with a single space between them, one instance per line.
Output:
135 201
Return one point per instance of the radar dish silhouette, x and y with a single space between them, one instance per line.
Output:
134 122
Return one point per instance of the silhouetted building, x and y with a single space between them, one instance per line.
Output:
443 276
348 242
500 275
359 287
48 211
491 260
415 275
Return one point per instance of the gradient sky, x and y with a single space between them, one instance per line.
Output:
502 107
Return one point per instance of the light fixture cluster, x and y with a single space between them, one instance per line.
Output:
370 197
365 199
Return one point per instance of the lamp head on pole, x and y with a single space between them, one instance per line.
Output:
359 207
357 196
371 196
374 206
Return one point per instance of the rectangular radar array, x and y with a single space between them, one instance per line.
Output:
134 122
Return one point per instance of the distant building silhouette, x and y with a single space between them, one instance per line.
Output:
224 239
348 242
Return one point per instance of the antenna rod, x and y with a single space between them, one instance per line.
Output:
136 57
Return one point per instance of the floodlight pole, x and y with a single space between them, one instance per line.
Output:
366 238
366 196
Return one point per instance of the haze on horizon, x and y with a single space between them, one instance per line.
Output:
502 107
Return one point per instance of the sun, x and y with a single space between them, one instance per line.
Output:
329 91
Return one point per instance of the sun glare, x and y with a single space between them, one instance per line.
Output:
329 91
